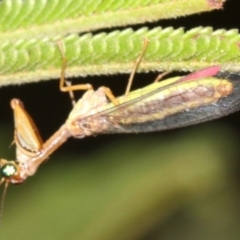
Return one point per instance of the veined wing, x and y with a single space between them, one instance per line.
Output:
171 103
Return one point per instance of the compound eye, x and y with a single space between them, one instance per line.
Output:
8 170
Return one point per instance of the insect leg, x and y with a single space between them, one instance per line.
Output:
135 68
161 76
69 88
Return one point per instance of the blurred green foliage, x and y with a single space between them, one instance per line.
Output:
179 185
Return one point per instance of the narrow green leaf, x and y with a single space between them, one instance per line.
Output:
40 18
116 52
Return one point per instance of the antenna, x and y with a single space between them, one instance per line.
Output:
3 196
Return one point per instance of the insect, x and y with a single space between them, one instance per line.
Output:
175 102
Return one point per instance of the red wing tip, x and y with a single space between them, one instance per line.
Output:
215 4
203 73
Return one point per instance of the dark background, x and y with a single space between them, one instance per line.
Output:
86 168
